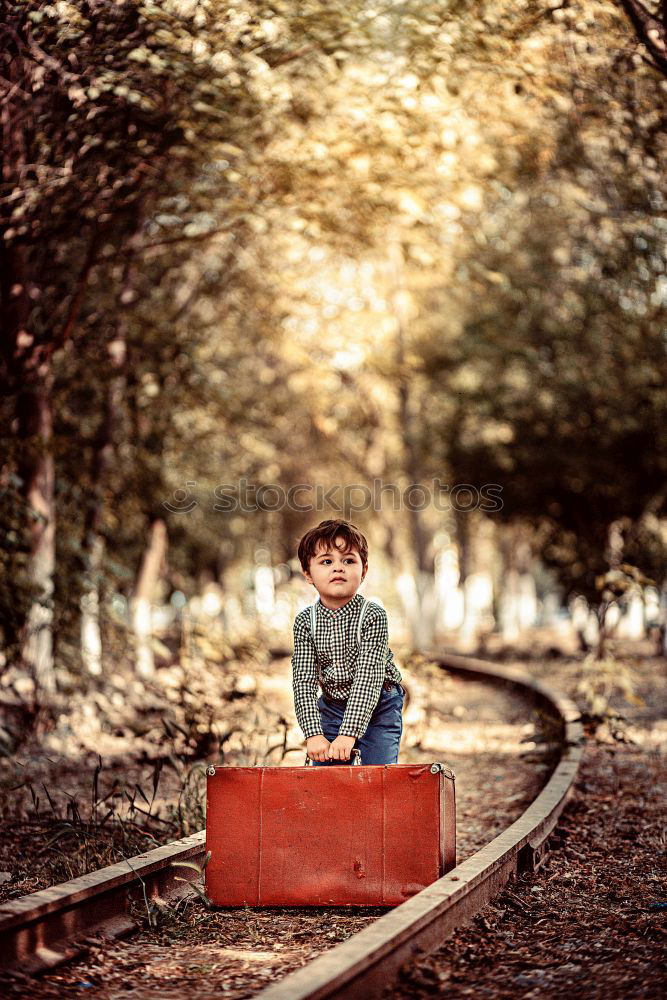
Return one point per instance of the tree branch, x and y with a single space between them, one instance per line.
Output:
650 31
77 297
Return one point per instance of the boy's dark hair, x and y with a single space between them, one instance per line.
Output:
327 531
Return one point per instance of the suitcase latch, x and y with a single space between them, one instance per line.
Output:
436 768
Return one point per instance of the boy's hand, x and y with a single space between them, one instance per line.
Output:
317 747
341 748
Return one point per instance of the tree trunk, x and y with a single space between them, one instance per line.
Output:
26 371
418 592
476 548
93 543
517 604
36 469
149 574
450 595
663 619
580 617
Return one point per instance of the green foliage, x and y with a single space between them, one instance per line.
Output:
309 226
81 836
602 684
16 590
550 381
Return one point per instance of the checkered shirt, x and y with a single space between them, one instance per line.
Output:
343 669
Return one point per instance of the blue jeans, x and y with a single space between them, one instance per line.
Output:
380 742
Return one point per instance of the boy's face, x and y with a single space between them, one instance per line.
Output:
336 573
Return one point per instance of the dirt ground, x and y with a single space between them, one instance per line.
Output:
590 923
497 745
50 831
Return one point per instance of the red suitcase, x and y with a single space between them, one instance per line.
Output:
328 836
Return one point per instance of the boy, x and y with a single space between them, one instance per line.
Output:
362 698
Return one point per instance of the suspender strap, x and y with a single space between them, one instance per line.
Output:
362 615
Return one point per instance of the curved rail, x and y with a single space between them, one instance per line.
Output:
46 928
363 965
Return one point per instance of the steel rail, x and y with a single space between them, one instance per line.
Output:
365 964
48 927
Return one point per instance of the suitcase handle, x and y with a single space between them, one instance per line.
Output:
355 755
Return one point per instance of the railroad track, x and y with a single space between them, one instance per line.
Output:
46 928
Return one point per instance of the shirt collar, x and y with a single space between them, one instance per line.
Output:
342 612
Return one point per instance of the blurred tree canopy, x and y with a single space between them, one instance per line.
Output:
320 243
